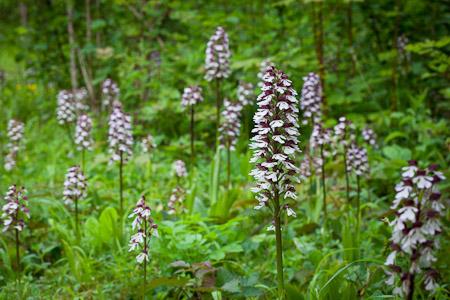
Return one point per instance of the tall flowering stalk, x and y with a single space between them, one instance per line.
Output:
176 200
415 230
15 136
146 228
229 131
178 192
75 187
15 211
358 163
217 64
320 141
110 93
274 148
311 99
120 138
66 110
342 136
192 95
83 136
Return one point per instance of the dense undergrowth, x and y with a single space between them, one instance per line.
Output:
216 245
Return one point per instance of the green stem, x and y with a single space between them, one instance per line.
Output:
192 137
358 192
347 183
17 255
121 182
77 232
279 246
218 106
83 160
324 189
228 166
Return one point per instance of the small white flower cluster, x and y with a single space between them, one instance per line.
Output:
83 137
176 200
15 135
148 144
75 185
344 132
311 99
192 95
120 136
415 228
265 64
276 141
110 92
66 111
357 160
370 137
217 62
245 93
70 104
146 228
179 167
321 140
15 209
402 42
229 129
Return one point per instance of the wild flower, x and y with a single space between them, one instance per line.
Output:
370 137
146 228
344 135
415 230
217 61
357 160
15 136
16 209
245 93
265 64
75 185
120 135
274 148
402 42
110 93
120 138
229 129
192 95
179 168
311 99
176 200
83 136
320 141
66 111
148 144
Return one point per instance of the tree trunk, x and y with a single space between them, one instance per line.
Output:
73 46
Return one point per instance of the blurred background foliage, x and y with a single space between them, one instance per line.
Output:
218 249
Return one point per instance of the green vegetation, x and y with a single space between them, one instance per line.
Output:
383 65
